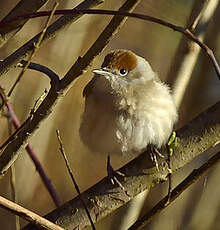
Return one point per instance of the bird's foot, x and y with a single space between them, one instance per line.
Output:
114 175
153 154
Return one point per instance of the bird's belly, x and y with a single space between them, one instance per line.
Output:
105 129
119 133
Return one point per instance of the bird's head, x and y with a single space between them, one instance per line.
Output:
124 68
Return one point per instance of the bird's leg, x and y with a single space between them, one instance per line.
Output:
158 152
153 154
154 158
112 174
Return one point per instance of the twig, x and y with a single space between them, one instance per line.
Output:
59 25
183 47
176 192
36 47
23 6
14 195
73 180
30 151
196 14
54 78
180 29
187 55
13 178
28 215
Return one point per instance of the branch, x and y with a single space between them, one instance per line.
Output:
36 47
20 138
180 29
73 179
23 7
187 54
30 151
28 215
200 135
183 48
14 194
177 191
52 31
54 78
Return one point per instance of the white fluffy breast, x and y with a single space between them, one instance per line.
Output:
127 122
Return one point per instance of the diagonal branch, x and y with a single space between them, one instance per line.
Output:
200 135
36 47
28 215
177 191
29 149
59 25
18 140
61 148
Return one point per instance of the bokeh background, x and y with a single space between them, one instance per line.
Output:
199 206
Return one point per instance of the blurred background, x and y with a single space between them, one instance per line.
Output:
196 208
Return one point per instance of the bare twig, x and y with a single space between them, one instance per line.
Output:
51 32
22 7
199 136
36 47
54 78
13 177
187 54
180 29
30 151
196 14
28 215
55 84
183 47
176 192
73 180
14 194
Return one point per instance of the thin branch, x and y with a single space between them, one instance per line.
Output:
54 78
199 136
14 194
176 192
196 14
52 31
36 47
30 151
73 180
28 215
13 177
22 7
180 29
187 55
183 48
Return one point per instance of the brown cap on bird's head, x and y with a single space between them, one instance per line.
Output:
119 59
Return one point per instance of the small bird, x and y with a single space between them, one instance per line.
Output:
127 107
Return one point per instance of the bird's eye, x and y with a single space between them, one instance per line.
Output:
123 72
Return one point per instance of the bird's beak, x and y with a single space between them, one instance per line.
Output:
102 72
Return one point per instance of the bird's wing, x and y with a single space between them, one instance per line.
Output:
89 87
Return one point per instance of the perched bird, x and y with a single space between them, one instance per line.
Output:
127 107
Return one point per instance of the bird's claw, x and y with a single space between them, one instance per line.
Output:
113 175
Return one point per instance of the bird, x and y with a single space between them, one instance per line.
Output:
127 107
